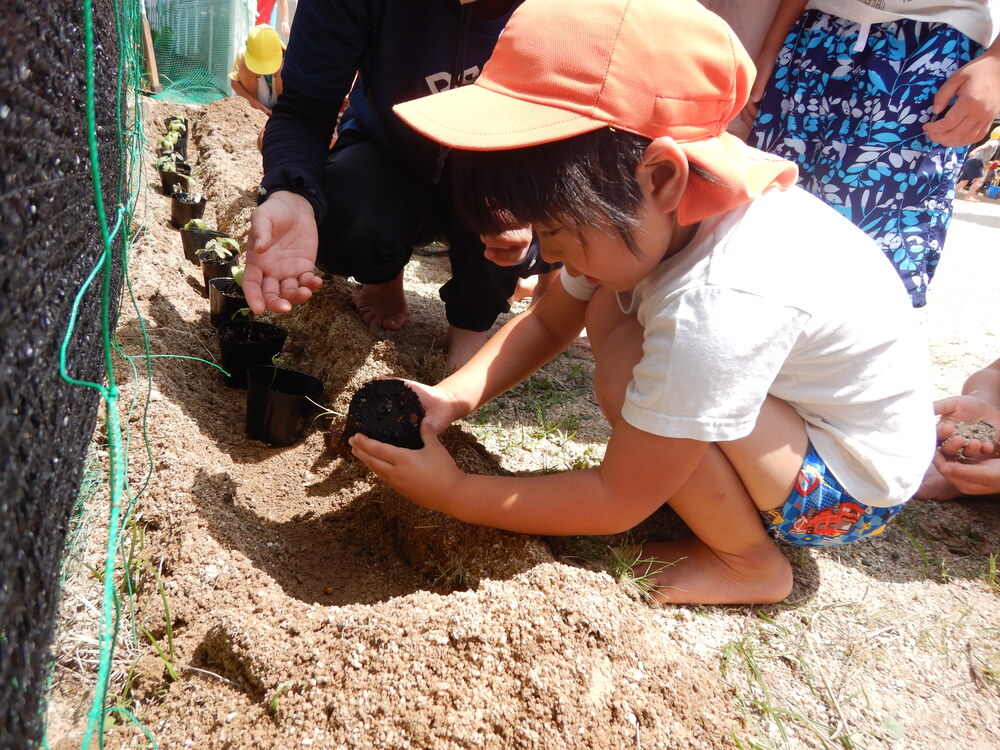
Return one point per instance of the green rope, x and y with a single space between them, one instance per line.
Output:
130 141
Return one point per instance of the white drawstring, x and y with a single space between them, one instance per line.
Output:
863 32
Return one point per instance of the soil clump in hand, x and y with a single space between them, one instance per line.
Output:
385 410
982 431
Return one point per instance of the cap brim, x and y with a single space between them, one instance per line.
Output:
477 119
262 67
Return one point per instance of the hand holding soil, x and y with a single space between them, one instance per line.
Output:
963 432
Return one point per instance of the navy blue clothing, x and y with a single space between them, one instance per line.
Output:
401 50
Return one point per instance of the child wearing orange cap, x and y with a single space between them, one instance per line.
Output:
760 373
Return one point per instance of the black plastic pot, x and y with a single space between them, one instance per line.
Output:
225 299
194 240
183 208
178 178
280 404
213 268
244 345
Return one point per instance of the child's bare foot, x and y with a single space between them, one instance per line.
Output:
936 487
461 345
701 575
383 305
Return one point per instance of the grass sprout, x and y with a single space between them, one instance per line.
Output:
627 564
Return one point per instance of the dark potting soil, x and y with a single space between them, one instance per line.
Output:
385 410
244 332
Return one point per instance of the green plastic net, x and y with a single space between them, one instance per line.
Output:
195 43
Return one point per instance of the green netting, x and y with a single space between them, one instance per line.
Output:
195 43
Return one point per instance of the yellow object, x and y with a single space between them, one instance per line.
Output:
263 55
996 133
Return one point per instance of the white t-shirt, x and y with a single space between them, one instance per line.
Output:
784 296
972 17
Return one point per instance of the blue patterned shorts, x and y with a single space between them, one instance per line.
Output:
850 116
820 513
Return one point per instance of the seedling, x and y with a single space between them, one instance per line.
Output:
237 273
195 224
168 163
168 141
176 126
274 702
222 248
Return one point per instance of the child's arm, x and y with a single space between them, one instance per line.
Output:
785 16
640 472
520 347
245 84
283 15
976 90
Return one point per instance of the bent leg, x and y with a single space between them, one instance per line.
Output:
730 559
377 212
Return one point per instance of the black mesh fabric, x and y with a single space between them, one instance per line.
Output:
49 242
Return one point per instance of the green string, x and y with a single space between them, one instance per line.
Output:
131 142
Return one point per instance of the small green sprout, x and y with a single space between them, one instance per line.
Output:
243 312
166 163
196 224
222 248
176 126
237 273
274 702
168 141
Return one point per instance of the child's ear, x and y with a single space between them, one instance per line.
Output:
663 173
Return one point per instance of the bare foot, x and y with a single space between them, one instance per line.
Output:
936 487
694 573
461 345
383 305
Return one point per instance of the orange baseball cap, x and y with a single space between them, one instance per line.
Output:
650 67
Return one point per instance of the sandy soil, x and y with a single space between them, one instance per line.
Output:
309 605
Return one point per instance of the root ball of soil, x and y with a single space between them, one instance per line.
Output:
385 410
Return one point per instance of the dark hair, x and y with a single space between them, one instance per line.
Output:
585 180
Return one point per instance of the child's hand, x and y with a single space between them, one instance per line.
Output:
281 261
964 409
977 88
441 407
979 478
427 476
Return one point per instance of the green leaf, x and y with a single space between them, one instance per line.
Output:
892 727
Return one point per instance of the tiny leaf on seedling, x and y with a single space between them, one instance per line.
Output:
196 224
237 273
272 704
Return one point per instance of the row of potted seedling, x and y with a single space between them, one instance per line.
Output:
281 402
175 172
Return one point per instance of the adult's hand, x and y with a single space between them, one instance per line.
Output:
975 87
509 247
281 260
